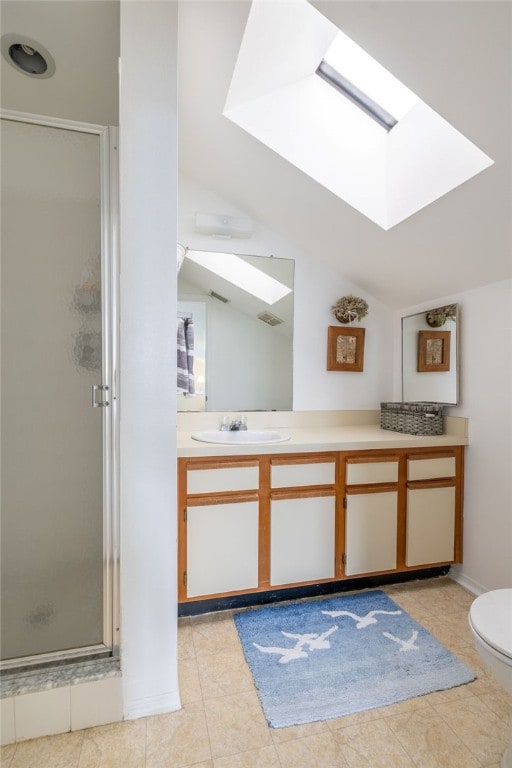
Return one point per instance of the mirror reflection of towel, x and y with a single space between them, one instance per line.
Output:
185 356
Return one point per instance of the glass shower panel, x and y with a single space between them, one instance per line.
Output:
52 455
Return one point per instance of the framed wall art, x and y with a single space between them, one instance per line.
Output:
433 351
345 349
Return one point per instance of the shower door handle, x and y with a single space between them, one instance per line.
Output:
99 403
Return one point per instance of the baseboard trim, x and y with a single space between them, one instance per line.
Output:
472 586
198 607
152 705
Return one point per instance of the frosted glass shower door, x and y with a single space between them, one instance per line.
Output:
52 588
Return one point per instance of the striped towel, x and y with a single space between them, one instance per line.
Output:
185 356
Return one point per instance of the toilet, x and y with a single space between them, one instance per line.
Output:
490 621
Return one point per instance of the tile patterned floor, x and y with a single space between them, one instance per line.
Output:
221 724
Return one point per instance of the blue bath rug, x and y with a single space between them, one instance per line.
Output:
327 658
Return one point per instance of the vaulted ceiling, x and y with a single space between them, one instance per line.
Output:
457 56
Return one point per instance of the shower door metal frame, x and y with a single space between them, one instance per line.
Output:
109 218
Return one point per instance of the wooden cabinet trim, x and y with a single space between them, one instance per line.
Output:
182 530
264 525
314 458
437 455
304 492
300 583
202 464
383 458
459 504
437 482
371 488
224 497
401 528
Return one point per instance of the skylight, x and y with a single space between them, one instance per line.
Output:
238 272
277 95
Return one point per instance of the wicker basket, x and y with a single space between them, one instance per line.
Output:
412 418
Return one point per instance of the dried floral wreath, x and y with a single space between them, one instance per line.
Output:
349 308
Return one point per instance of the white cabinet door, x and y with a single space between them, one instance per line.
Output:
222 548
371 526
430 525
302 540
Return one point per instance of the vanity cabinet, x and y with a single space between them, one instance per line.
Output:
267 522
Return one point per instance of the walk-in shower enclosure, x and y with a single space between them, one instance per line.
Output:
58 399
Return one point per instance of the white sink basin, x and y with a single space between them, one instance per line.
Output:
241 437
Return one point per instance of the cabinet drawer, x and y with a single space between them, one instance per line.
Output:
363 473
292 475
242 478
427 469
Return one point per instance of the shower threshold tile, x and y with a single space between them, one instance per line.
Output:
43 679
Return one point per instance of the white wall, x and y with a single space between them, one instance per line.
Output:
486 388
148 173
316 289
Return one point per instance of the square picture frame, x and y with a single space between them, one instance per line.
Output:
345 349
433 351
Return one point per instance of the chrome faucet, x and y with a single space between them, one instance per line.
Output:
237 424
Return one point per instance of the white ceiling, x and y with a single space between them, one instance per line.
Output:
457 56
83 38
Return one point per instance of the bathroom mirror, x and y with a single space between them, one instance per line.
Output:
237 312
430 356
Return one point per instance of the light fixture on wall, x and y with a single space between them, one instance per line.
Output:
218 225
27 56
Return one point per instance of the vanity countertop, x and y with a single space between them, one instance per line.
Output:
306 439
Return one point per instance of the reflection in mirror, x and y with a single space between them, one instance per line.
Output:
235 332
430 360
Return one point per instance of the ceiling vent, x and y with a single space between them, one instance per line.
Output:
269 318
217 296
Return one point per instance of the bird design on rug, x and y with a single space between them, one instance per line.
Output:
314 640
405 645
362 621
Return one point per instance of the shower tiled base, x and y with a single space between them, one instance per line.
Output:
54 702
